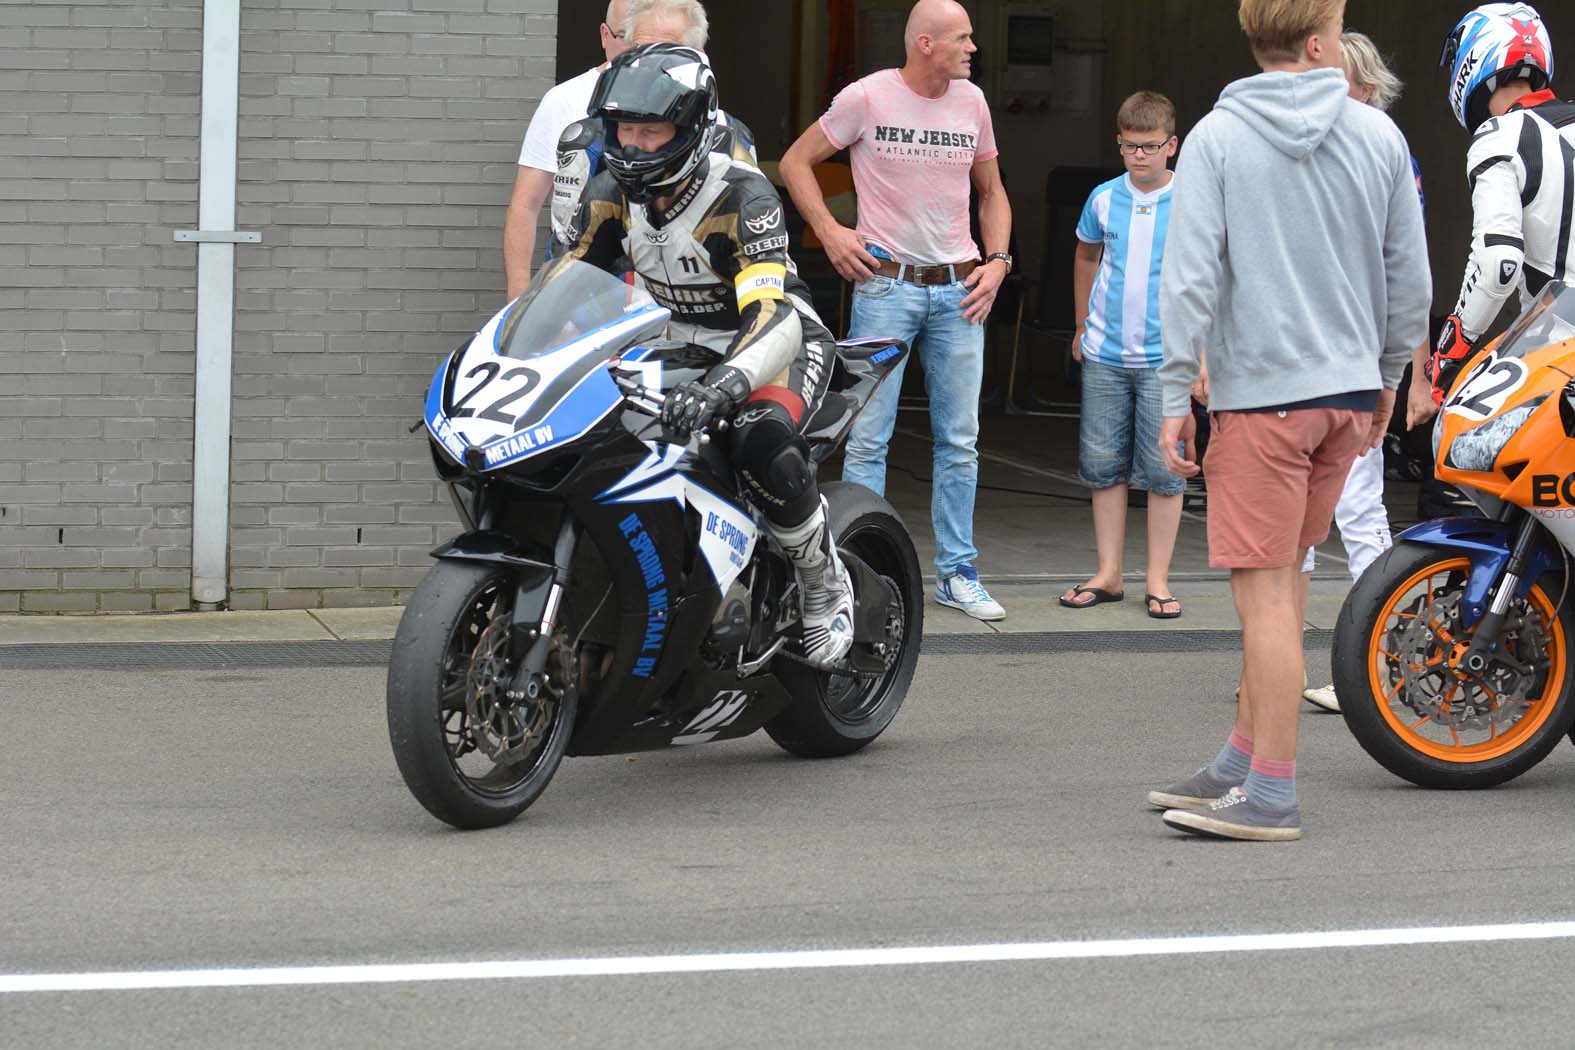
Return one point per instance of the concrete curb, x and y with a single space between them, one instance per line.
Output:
1031 609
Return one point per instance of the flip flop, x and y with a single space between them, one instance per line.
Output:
1151 599
1101 596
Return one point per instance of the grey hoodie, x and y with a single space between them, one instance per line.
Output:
1295 258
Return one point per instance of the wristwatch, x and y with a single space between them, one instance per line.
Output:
1003 256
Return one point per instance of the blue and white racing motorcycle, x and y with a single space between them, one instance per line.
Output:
612 592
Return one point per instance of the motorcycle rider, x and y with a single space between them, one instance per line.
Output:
1521 161
706 237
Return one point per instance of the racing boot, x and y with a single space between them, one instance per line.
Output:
825 589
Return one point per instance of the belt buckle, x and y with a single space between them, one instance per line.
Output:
921 274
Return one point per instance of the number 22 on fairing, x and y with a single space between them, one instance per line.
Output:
1487 388
514 382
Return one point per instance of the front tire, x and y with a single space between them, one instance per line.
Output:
452 644
833 714
1394 646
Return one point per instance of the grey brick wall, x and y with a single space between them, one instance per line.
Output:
378 141
98 150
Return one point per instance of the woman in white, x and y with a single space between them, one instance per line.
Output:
1360 514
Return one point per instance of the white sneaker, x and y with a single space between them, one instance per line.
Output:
962 590
1324 698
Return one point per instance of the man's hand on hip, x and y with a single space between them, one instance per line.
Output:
1180 430
984 283
1381 416
845 248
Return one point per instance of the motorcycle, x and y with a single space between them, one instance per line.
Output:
1452 655
614 591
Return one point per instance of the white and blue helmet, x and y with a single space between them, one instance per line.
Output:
1495 44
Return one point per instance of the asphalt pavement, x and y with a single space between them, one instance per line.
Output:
211 819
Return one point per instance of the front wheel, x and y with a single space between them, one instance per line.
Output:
472 755
837 714
1396 647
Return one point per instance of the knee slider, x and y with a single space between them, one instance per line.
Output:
790 473
769 449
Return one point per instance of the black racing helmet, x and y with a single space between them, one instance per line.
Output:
656 82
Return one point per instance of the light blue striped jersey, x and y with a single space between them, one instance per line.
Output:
1123 309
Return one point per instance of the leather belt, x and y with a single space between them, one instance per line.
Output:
943 273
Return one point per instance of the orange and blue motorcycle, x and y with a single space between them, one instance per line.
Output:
1452 656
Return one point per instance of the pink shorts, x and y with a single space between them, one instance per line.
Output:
1274 479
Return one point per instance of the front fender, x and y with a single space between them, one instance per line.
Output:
1487 543
533 578
491 546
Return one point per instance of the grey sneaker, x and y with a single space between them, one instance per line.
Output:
1234 816
1196 792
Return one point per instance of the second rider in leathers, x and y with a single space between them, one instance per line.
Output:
707 239
1522 158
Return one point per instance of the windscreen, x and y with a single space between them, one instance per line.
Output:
575 300
1549 319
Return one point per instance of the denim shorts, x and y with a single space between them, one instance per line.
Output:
1118 436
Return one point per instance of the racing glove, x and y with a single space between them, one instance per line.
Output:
694 406
1449 357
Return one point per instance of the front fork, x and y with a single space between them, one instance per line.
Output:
1516 570
538 601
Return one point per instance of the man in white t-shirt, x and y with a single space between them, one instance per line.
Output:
560 107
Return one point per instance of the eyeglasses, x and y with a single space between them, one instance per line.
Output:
615 34
1148 148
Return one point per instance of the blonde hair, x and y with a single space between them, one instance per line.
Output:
1365 67
1147 111
1276 29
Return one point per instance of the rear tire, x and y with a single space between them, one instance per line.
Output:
1370 681
833 715
428 678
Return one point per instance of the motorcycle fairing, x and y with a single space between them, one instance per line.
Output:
546 403
1487 543
858 369
728 532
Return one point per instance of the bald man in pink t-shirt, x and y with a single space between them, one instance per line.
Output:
920 137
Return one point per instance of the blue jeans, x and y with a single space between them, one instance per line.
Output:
1118 431
953 354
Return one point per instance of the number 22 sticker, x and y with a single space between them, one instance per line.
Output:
1487 388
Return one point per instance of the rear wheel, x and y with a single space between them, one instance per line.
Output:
472 755
1396 648
837 714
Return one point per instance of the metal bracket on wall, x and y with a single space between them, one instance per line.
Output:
219 236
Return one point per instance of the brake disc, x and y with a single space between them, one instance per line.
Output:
504 729
1426 645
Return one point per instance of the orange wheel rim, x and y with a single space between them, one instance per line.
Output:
1420 732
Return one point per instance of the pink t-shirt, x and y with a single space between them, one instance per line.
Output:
912 161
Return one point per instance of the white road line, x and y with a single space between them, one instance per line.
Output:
652 965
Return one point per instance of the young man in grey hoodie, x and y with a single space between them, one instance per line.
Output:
1297 261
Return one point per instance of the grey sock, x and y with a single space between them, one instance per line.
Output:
1232 764
1276 794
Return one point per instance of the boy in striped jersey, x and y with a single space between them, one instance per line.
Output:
1115 286
1521 167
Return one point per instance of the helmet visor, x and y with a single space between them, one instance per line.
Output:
639 95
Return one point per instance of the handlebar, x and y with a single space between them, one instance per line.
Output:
644 399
